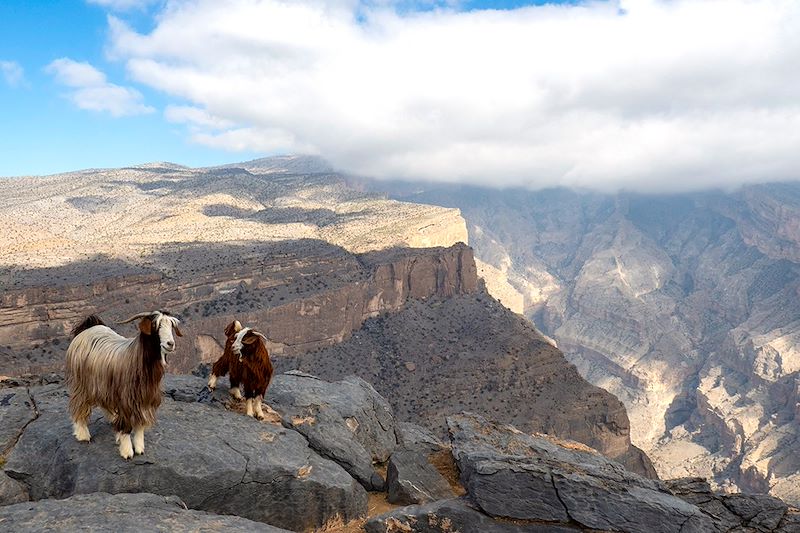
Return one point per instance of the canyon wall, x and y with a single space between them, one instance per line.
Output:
685 307
303 295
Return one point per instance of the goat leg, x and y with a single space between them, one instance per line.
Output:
259 411
138 440
125 446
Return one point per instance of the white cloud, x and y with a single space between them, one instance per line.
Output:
93 92
194 116
12 73
641 94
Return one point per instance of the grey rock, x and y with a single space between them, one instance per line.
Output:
513 475
212 459
415 437
756 510
16 411
12 491
347 421
120 513
448 516
410 479
737 512
185 388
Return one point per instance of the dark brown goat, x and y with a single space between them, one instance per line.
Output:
247 357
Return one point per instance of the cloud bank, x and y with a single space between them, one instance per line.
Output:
659 95
93 92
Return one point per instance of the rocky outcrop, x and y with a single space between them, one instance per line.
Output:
207 466
127 512
437 357
212 459
515 476
518 483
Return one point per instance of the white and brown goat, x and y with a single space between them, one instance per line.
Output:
120 375
246 359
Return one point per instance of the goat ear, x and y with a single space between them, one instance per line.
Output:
249 339
146 326
177 331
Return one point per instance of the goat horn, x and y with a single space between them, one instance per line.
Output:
135 317
261 335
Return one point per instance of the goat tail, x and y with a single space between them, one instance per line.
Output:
88 322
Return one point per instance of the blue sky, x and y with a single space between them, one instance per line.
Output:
42 132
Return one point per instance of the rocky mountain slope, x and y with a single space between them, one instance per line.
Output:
685 307
443 355
207 467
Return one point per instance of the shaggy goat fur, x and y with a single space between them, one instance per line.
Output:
247 359
120 375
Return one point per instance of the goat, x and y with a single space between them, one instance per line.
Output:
228 363
247 358
120 375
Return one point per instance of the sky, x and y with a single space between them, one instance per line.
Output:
648 95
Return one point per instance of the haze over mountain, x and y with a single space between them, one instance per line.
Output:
684 306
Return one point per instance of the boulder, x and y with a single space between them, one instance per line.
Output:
347 421
512 475
212 459
122 513
448 516
410 479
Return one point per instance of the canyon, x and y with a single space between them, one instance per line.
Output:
684 306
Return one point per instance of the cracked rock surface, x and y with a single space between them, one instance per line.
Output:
127 512
212 459
517 476
347 421
738 512
17 410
